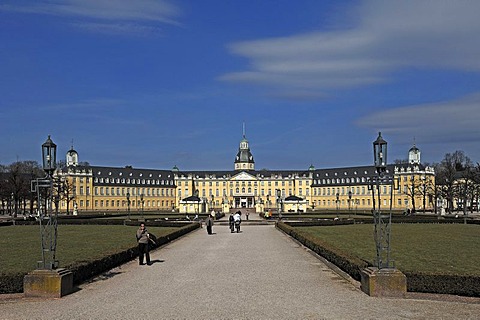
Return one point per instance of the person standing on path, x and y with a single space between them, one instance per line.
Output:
209 223
142 239
231 222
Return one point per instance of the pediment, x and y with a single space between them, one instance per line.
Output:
242 176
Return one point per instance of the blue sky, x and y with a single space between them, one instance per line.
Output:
155 84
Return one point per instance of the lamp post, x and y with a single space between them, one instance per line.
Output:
279 203
337 203
142 202
382 221
349 202
382 279
47 280
128 205
48 219
424 187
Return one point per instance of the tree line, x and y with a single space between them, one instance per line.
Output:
16 194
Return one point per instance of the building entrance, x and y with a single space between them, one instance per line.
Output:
244 202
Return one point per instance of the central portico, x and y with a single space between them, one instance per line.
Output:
244 190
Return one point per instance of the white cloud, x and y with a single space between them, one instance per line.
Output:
119 28
108 16
386 36
454 121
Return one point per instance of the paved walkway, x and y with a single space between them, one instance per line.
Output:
259 273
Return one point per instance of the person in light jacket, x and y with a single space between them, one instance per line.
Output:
142 239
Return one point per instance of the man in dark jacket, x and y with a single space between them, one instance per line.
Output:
209 223
231 223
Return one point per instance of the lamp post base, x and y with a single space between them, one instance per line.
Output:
48 283
383 282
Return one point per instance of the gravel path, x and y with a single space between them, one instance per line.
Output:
259 273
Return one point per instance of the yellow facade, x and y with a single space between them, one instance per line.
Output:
105 189
93 189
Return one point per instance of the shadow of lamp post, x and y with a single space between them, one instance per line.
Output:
47 280
382 279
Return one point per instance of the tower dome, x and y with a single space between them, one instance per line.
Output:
72 157
414 155
244 159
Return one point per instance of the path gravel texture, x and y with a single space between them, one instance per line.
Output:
259 273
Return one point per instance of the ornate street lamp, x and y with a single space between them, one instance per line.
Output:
48 280
349 202
48 220
142 202
382 221
382 279
337 203
128 205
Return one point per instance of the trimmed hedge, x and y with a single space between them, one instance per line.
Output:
462 285
11 282
350 264
443 283
82 271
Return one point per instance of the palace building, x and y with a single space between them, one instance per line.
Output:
110 189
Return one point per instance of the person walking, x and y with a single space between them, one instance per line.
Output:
231 223
209 224
142 239
246 214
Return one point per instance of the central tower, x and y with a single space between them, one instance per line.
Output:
244 159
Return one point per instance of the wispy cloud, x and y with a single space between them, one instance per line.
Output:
106 16
119 28
385 37
450 122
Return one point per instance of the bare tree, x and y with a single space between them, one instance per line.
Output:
64 191
448 173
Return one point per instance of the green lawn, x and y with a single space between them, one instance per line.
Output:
21 249
431 248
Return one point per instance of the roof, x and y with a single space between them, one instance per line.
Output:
192 198
293 198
